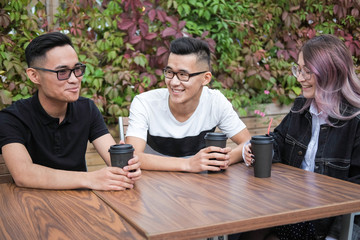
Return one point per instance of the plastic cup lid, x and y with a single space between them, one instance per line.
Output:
121 148
215 136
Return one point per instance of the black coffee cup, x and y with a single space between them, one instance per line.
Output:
262 148
215 139
120 154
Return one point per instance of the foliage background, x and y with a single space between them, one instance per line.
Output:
124 44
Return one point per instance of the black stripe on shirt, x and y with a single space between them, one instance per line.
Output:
178 147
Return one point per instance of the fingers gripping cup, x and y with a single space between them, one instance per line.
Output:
120 154
262 148
215 139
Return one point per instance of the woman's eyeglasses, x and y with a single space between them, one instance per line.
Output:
304 71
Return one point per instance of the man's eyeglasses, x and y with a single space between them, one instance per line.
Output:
182 76
304 71
64 74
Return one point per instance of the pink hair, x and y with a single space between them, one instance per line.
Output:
336 81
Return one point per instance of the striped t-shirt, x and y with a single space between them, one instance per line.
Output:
151 119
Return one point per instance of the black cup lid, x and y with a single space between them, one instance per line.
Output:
121 148
262 139
215 136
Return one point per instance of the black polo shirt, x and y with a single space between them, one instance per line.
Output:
59 146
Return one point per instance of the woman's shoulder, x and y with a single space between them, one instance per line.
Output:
299 103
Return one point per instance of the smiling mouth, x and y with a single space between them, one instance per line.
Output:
177 90
306 87
73 89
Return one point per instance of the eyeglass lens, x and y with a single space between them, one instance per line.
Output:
66 73
182 76
296 71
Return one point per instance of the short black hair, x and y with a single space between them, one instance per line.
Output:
43 43
187 45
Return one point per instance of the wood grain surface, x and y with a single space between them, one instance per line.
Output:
49 214
5 176
175 205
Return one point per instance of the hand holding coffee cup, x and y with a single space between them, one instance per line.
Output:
120 154
215 139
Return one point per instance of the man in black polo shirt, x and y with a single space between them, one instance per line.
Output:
43 139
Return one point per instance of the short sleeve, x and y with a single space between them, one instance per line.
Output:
98 127
229 122
12 130
138 120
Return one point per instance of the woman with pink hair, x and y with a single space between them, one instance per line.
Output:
321 133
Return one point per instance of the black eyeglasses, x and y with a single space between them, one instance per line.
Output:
182 76
64 74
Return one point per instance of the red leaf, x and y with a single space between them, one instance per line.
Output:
293 54
161 15
172 20
291 44
311 33
150 36
135 39
161 50
204 34
265 74
125 24
168 32
284 15
152 14
355 12
132 30
279 44
251 72
182 24
144 28
179 35
159 72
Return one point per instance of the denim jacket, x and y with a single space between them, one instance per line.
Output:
338 153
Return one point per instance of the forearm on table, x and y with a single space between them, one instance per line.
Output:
236 154
38 176
161 163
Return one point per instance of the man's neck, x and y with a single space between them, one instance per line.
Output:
55 109
183 112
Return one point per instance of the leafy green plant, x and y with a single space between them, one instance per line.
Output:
125 44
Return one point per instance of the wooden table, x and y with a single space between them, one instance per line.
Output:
49 214
174 205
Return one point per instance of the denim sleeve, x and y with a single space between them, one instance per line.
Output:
279 135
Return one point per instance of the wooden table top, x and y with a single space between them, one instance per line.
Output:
50 214
175 205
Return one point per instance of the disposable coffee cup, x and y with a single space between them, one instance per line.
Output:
262 148
120 154
217 140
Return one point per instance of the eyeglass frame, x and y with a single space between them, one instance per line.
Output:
176 73
295 69
79 66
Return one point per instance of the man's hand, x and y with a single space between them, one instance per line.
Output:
202 160
115 178
109 178
133 169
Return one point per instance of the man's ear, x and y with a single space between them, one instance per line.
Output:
207 78
33 75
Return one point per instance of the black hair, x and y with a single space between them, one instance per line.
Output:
43 43
187 45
